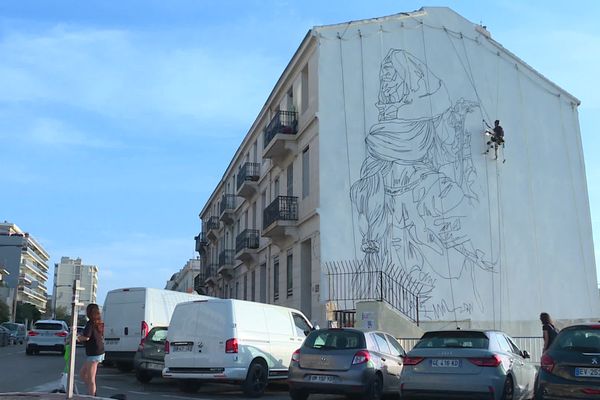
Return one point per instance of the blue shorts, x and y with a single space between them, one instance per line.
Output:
97 359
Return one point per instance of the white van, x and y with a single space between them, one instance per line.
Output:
128 316
232 341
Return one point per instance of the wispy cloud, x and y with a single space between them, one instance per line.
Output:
53 132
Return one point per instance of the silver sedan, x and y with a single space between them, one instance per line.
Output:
467 364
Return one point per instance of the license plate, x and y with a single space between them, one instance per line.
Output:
587 372
182 347
445 363
111 341
154 366
321 378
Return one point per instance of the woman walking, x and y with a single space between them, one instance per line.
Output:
93 338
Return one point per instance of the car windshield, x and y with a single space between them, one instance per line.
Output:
453 339
331 339
585 340
10 326
48 326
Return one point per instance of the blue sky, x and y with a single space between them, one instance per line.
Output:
118 118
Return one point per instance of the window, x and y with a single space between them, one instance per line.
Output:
334 339
290 274
382 343
503 343
453 339
237 290
254 215
397 349
302 327
276 188
304 90
290 180
276 279
305 173
245 286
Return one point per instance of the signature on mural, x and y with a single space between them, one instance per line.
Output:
416 188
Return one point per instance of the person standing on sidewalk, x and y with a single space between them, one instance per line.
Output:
548 329
93 339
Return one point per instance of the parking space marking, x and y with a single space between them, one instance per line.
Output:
109 387
134 392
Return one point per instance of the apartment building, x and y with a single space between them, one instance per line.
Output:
188 279
367 176
27 264
67 271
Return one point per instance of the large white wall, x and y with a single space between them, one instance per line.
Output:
416 88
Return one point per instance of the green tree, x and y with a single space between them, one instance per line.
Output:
27 311
62 314
4 311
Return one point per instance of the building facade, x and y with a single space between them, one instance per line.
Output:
27 263
366 176
67 271
188 279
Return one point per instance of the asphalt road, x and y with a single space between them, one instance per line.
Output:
41 373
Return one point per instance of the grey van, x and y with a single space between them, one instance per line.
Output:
17 332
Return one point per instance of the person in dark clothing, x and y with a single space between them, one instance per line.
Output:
496 136
548 329
93 339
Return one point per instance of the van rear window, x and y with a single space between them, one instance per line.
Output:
453 339
48 326
335 339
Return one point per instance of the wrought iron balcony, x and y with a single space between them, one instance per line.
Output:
279 219
279 138
285 122
211 228
226 261
246 244
227 208
248 239
201 242
247 178
210 273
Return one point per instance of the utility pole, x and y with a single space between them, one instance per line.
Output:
74 304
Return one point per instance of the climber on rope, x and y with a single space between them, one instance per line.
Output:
496 135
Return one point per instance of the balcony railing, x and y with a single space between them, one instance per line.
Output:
248 172
227 203
209 271
248 239
226 257
213 223
283 122
201 242
283 208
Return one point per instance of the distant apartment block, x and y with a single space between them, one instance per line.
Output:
188 279
26 261
65 273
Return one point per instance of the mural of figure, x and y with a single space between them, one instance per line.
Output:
415 182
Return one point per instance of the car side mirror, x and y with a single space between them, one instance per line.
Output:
316 327
525 354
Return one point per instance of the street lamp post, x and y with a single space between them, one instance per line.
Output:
74 304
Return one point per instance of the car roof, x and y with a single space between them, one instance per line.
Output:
464 330
51 321
592 325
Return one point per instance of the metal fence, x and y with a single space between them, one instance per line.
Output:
283 208
353 281
282 122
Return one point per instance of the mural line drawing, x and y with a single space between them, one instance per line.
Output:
416 188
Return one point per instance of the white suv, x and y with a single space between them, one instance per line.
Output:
47 335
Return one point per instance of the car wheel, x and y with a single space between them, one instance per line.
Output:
508 391
256 380
124 366
298 394
189 386
142 377
28 351
375 390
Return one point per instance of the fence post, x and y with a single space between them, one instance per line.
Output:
381 286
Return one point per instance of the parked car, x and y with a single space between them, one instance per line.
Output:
347 361
461 364
17 332
232 341
47 335
4 336
570 368
130 313
149 359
